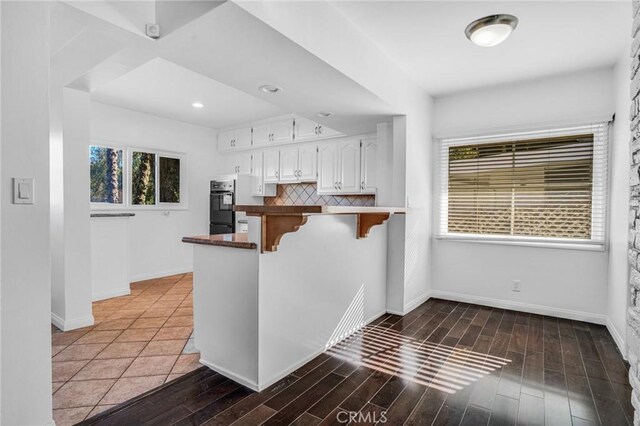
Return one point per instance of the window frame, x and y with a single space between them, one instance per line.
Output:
599 195
183 204
127 176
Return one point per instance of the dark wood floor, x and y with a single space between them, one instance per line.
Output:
445 363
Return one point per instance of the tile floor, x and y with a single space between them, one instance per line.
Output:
138 342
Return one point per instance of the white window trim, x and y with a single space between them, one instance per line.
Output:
127 205
600 189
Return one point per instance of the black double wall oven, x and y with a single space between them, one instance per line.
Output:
222 218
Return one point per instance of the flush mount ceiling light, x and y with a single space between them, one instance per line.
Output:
325 114
269 88
197 105
491 30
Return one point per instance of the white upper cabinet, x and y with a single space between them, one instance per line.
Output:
276 132
282 131
349 166
271 166
327 166
369 165
306 130
257 181
234 139
242 138
261 135
225 140
289 164
239 164
325 132
307 163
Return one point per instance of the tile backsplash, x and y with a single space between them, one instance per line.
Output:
306 194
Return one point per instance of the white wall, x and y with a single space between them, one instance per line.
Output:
25 277
70 245
567 283
619 201
155 248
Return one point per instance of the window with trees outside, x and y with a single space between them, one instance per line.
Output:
152 178
538 187
105 169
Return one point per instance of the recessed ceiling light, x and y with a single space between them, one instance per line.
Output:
491 30
269 88
197 105
325 114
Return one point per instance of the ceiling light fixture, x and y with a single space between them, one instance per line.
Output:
491 30
197 105
325 114
270 88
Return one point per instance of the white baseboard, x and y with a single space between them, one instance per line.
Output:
620 341
110 294
236 378
524 307
160 274
72 324
411 305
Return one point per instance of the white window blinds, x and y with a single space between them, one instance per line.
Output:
543 186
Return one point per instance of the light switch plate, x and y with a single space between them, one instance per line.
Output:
22 190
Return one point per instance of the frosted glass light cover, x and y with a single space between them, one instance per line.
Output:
491 35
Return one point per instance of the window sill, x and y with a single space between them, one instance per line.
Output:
524 242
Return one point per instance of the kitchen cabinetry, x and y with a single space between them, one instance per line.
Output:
271 166
347 167
369 165
298 164
307 130
234 139
276 132
239 164
257 181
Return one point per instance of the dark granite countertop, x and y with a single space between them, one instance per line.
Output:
225 240
112 214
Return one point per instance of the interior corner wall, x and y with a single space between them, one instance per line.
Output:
70 230
619 153
154 236
560 282
418 177
24 249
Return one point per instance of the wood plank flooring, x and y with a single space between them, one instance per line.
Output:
445 363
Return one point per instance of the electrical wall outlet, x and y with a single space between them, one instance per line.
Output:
517 285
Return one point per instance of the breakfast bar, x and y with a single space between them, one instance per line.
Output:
315 274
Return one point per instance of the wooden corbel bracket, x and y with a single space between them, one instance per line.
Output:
366 221
274 226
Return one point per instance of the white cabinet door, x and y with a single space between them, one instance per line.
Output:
242 138
306 130
349 167
325 132
271 166
327 164
282 131
257 184
261 135
225 141
307 163
289 165
243 164
369 165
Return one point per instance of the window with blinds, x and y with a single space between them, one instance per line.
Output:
545 185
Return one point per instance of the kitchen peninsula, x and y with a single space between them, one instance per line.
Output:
301 280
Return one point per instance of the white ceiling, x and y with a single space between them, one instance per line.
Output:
426 39
162 88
